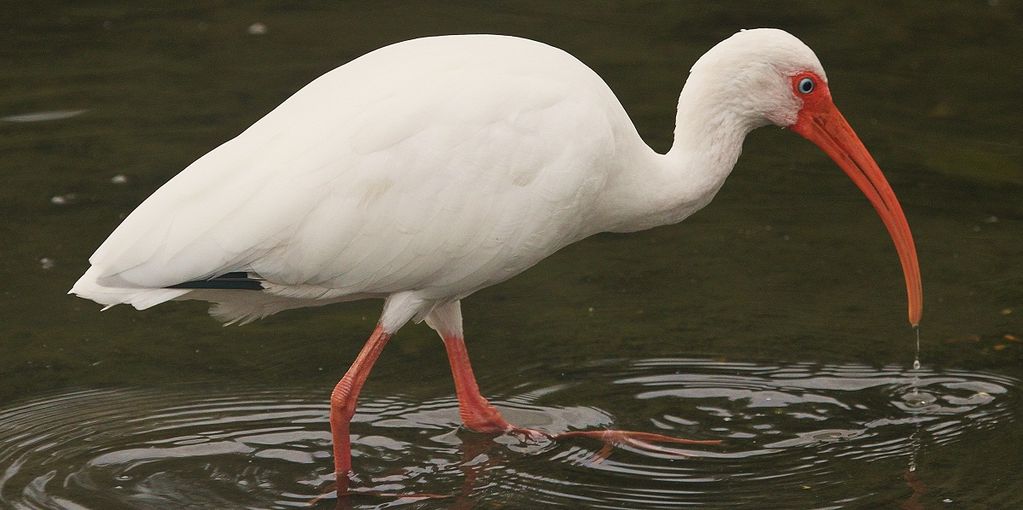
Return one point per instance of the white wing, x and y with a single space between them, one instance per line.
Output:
440 165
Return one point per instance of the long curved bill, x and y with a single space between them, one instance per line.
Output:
827 128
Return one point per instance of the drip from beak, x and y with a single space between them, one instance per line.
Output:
825 126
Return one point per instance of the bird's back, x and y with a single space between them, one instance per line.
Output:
440 165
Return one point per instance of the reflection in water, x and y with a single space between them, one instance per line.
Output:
913 481
791 432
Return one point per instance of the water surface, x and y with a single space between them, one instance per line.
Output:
791 434
773 320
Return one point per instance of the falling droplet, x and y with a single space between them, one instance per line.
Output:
916 359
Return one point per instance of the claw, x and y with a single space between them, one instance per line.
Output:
603 453
531 434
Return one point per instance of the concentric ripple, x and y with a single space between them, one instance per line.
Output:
790 431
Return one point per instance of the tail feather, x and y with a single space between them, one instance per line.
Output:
140 298
234 301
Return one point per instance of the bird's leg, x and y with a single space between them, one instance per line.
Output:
342 404
476 412
480 416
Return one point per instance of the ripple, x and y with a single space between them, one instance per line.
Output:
787 429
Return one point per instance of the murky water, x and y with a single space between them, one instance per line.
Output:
789 431
773 320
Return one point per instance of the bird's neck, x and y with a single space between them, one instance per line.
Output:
659 189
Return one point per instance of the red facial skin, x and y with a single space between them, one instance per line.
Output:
820 122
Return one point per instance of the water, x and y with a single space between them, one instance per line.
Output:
789 432
916 357
774 319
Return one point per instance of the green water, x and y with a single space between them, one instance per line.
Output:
773 319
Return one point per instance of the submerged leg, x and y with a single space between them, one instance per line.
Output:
342 404
398 309
480 416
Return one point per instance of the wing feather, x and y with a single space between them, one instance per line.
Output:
434 165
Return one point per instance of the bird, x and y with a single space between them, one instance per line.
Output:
426 170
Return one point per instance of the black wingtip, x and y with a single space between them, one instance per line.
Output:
237 280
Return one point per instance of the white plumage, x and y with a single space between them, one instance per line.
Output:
436 166
429 169
440 165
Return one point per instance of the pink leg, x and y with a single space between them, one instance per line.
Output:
480 416
476 412
342 404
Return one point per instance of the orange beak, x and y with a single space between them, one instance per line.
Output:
822 123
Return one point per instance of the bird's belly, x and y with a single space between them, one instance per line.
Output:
440 252
444 273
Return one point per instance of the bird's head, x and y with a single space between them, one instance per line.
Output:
768 76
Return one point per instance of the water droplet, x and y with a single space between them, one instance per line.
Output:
257 28
916 364
64 199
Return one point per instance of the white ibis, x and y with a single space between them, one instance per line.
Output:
429 169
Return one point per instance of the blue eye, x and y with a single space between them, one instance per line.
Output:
806 85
